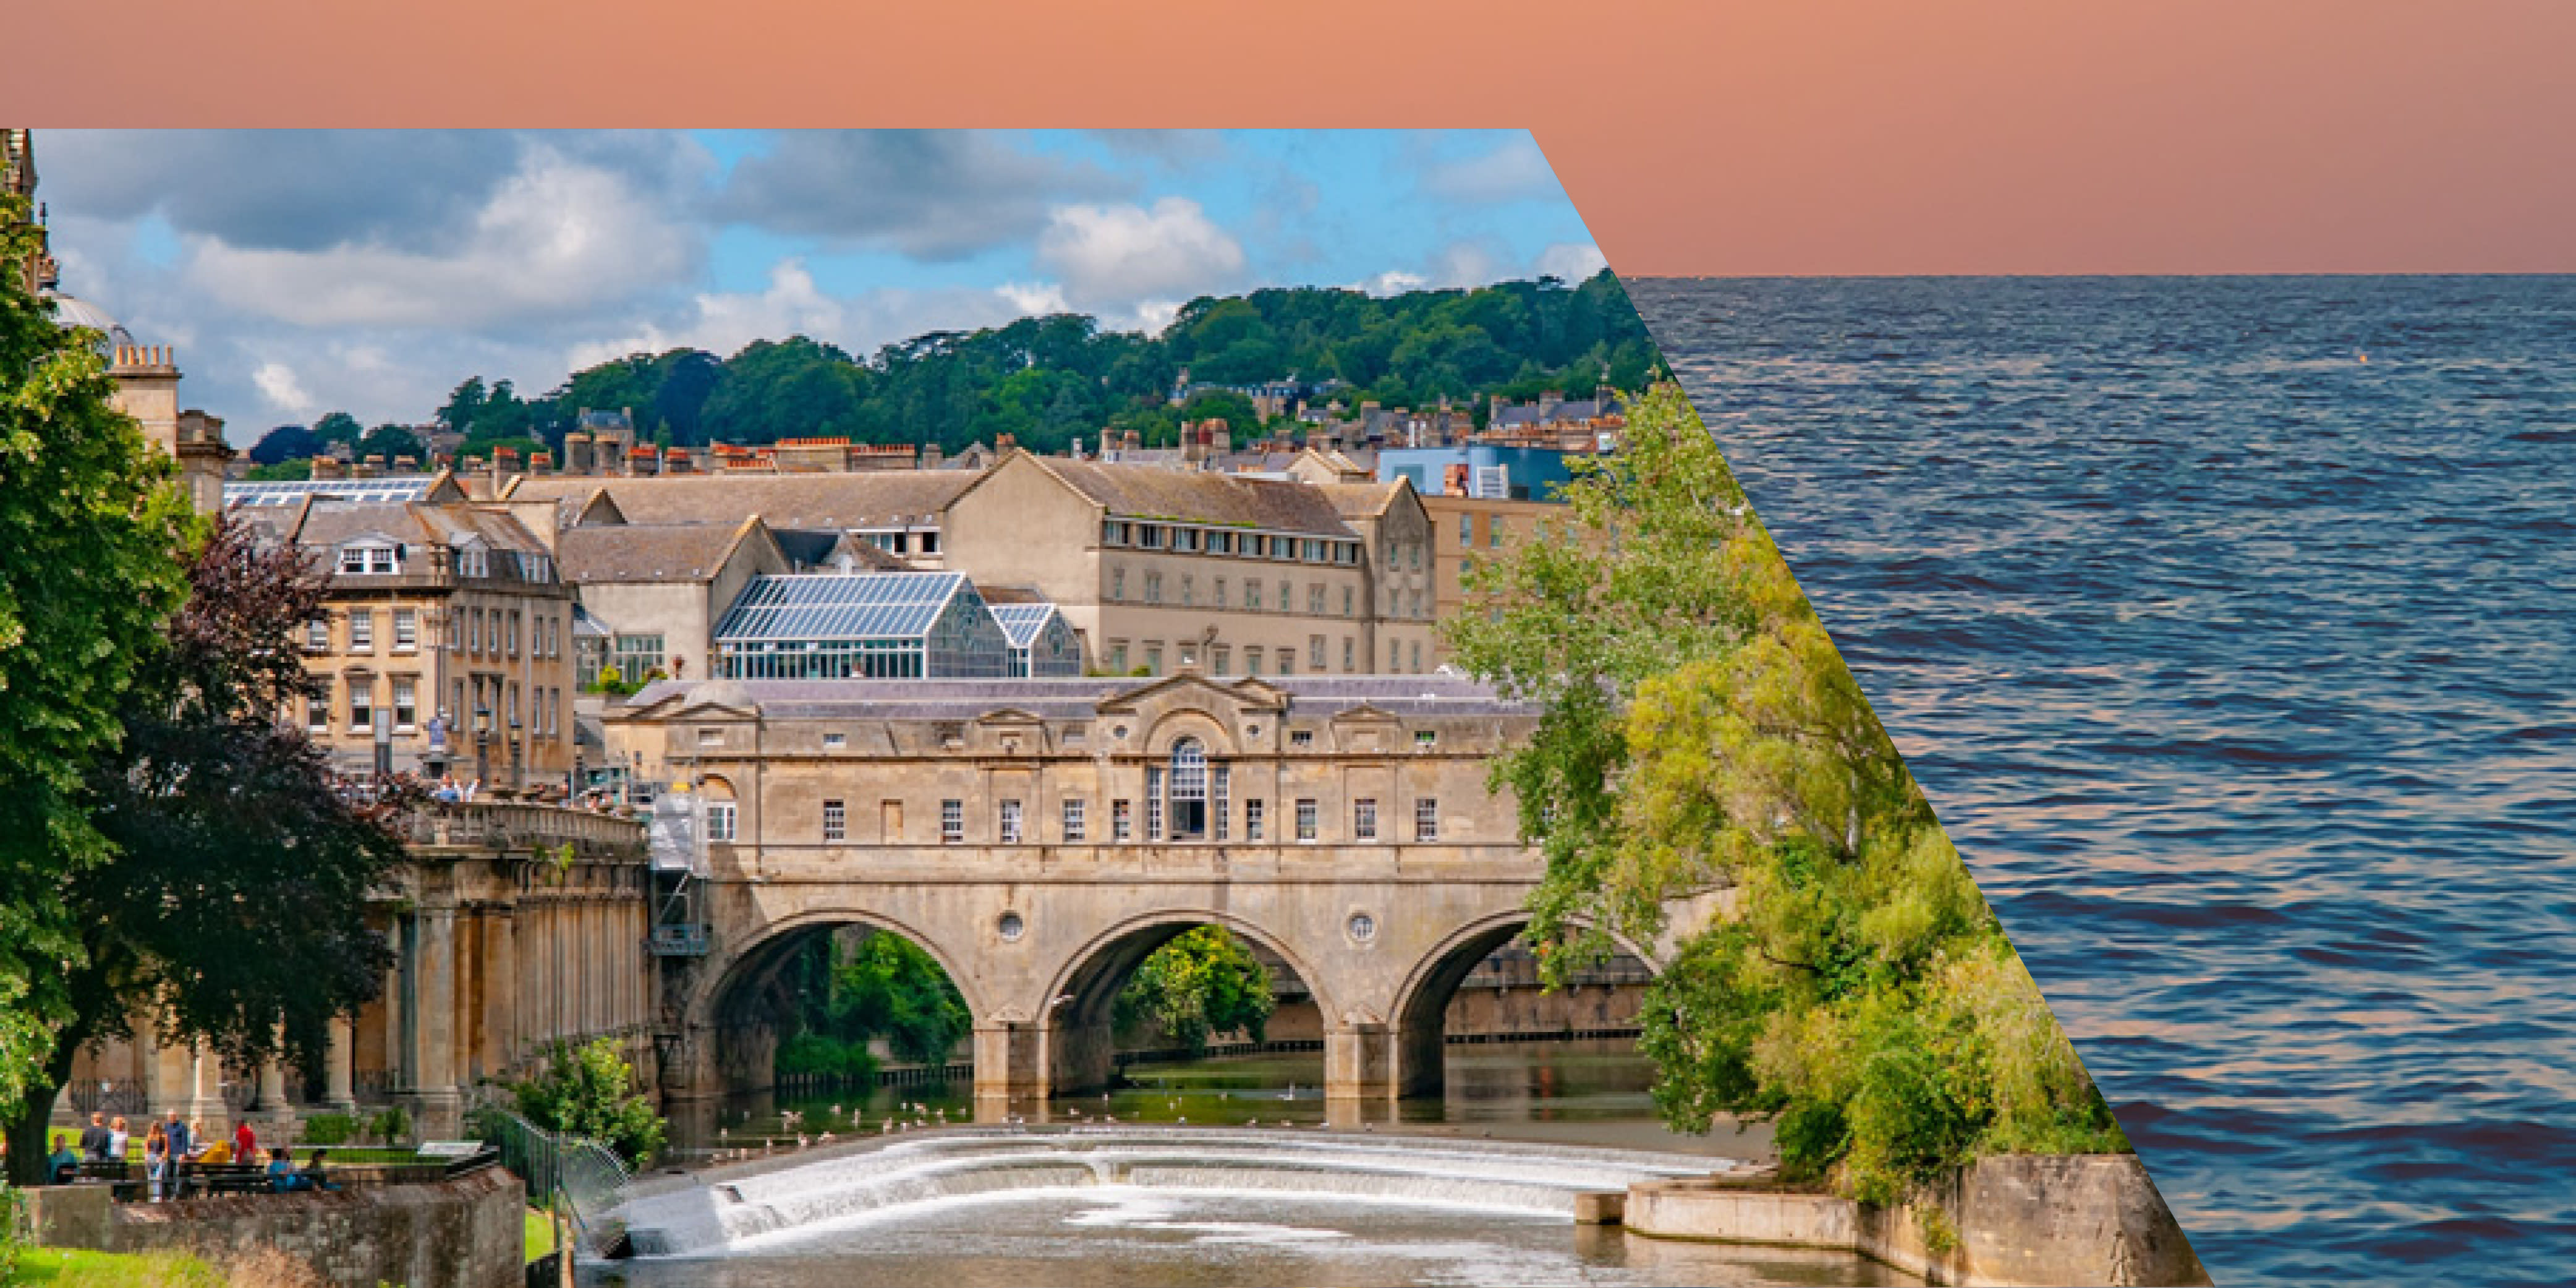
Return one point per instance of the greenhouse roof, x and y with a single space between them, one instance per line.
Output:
1022 622
832 606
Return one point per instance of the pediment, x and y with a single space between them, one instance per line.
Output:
1243 695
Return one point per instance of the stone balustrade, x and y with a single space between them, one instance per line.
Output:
510 825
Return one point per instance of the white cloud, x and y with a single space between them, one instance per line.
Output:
1123 254
722 323
1515 171
278 384
558 238
1394 281
1571 261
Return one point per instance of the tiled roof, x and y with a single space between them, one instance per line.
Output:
646 552
1145 492
881 498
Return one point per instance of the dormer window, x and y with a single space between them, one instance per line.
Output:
473 561
371 558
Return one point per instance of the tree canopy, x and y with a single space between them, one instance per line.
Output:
1202 983
90 527
1702 739
1048 380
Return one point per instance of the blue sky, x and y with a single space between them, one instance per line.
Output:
301 272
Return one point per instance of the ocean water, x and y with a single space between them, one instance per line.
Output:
2227 622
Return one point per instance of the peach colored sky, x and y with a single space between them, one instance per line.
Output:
1823 136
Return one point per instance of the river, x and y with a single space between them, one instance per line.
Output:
1466 1189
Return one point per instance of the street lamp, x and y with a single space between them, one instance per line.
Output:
514 752
482 741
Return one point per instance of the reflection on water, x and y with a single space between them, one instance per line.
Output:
1589 1092
1115 1235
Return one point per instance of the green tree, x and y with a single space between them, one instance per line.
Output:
89 533
1702 738
1202 983
229 902
889 987
338 427
590 1092
390 441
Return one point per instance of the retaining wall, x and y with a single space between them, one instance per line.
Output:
464 1232
2018 1222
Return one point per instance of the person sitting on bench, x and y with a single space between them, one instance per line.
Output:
64 1166
281 1172
312 1176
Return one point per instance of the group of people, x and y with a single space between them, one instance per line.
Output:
451 792
175 1141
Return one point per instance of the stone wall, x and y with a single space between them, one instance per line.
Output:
464 1232
2021 1220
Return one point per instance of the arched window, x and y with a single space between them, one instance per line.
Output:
1189 790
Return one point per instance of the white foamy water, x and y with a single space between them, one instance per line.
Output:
766 1204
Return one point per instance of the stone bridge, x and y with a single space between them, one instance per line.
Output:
1039 838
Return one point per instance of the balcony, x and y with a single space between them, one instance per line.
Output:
510 825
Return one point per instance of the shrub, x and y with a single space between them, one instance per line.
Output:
590 1092
330 1129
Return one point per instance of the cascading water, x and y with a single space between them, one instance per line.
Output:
723 1207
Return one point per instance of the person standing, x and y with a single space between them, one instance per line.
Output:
117 1138
180 1139
93 1142
156 1162
245 1143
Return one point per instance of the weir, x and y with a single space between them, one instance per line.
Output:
723 1208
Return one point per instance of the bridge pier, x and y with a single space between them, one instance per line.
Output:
1359 1063
1010 1070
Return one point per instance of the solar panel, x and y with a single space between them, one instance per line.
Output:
390 490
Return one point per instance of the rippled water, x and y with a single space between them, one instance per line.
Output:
2227 623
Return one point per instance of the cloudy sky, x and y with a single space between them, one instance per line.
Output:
298 273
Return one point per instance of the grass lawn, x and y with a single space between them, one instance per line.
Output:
541 1234
61 1268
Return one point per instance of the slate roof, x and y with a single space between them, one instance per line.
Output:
1079 697
828 606
1146 492
647 552
867 499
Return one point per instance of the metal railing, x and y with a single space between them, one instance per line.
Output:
585 1175
680 941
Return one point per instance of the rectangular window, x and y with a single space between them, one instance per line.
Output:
1348 595
1287 660
1073 830
1252 594
952 822
1394 655
1301 737
406 703
1314 652
710 736
1153 804
1287 597
1252 811
1252 661
1153 587
1185 539
1219 779
317 709
1315 598
1122 820
1117 584
406 630
1466 531
1153 659
362 631
1426 738
514 632
1426 818
1219 599
1306 816
1364 819
1009 820
1189 591
720 820
317 634
1348 665
835 741
1494 531
889 821
362 704
836 821
1118 656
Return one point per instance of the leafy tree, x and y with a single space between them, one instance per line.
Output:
286 443
1202 983
1701 737
590 1092
889 987
89 527
390 441
229 901
338 427
463 404
295 471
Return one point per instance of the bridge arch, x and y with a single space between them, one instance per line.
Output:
1077 1027
729 1014
1420 1019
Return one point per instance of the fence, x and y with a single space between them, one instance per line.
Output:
584 1174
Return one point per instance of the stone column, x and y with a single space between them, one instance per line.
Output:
339 1067
205 1100
271 1104
500 989
1359 1062
437 1106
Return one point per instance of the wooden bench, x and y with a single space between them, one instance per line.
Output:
222 1178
